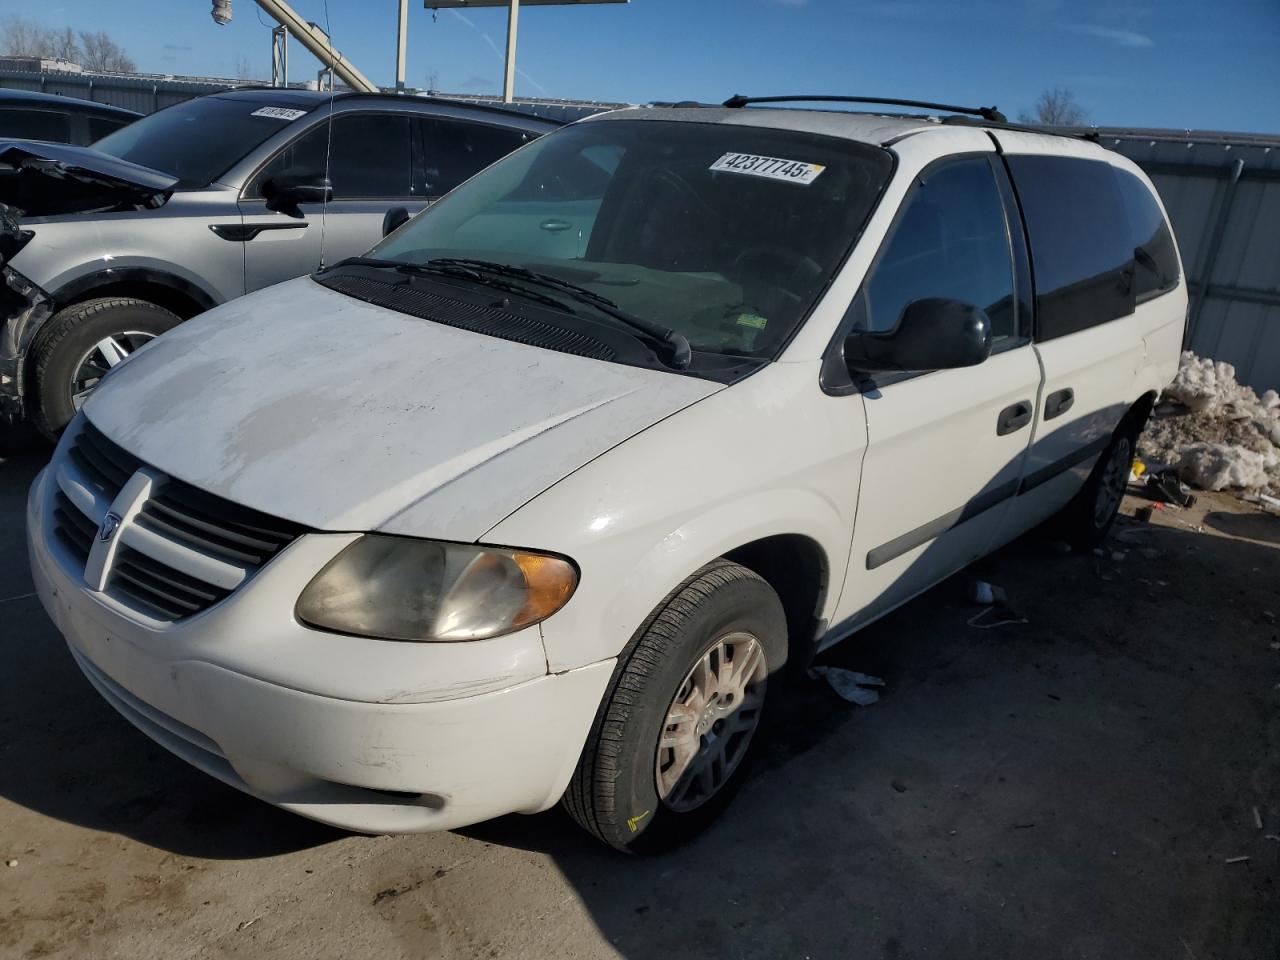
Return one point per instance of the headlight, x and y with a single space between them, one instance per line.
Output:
402 589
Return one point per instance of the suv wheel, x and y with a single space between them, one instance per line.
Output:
80 344
673 737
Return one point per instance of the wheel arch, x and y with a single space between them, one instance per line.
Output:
176 294
797 568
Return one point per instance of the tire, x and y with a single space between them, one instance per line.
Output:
1085 522
62 350
712 617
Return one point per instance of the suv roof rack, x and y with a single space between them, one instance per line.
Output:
990 114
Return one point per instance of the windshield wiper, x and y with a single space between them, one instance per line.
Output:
682 354
456 271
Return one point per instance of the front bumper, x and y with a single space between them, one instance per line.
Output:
366 735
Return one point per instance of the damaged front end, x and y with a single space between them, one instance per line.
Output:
23 308
52 179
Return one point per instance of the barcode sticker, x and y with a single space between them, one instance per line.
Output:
773 168
279 113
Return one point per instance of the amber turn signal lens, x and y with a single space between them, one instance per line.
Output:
551 581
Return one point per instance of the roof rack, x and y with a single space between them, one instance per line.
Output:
990 114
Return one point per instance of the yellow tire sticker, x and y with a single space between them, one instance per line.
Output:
634 822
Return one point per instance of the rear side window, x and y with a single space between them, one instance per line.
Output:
99 127
1155 268
370 157
35 125
949 240
1081 247
454 150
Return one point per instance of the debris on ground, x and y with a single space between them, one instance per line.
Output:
849 684
1217 432
1237 860
1257 818
1165 487
996 611
11 863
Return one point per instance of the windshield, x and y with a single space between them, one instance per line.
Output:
198 140
723 233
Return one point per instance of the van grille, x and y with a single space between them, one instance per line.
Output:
181 550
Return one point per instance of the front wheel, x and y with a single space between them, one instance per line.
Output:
79 346
673 737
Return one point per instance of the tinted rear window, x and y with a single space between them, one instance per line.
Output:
35 125
1155 259
1081 249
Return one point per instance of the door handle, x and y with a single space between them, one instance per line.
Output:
555 226
1014 417
1058 403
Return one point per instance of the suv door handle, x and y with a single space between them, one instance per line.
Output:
1058 403
1014 417
555 226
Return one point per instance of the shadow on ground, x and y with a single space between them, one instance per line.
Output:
1069 787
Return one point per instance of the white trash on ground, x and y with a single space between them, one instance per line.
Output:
850 684
1225 436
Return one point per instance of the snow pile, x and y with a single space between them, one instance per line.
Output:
1223 435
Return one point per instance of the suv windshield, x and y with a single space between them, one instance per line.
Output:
726 234
198 140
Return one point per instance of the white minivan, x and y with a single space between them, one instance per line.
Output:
534 502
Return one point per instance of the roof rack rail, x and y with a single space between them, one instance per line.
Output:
986 113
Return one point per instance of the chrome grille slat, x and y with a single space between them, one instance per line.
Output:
181 550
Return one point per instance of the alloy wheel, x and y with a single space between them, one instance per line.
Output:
102 356
710 721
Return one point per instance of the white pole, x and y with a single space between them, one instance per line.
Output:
509 79
402 38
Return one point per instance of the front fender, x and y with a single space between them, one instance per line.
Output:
769 456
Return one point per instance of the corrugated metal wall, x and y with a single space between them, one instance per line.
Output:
1222 191
143 94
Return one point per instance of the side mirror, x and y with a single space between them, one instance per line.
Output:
285 192
394 219
932 334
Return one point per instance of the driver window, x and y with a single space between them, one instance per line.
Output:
949 240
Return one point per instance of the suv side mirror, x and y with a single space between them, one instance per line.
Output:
394 219
933 334
285 192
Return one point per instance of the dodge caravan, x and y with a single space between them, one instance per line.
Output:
535 501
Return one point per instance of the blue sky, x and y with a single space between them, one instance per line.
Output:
1208 64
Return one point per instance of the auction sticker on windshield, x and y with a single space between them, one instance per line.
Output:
279 113
774 168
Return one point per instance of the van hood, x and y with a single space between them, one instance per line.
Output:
307 404
39 179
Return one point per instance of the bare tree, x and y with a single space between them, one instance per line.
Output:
99 52
1056 108
20 37
62 44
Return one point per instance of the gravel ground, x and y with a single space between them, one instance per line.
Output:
1070 787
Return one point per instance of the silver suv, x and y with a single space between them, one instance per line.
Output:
104 248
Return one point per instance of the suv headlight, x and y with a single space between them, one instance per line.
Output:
396 588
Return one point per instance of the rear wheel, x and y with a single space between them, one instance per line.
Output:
79 346
1087 519
674 735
